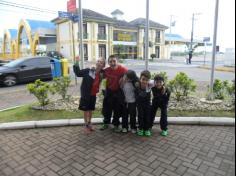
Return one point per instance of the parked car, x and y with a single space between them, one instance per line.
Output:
52 54
25 70
3 62
55 54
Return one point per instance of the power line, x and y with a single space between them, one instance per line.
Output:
26 7
29 13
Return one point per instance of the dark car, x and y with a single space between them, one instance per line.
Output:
25 70
3 62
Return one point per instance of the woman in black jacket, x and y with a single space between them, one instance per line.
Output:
92 78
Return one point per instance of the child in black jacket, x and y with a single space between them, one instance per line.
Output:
161 96
89 89
143 100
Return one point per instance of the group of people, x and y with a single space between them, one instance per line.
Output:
126 97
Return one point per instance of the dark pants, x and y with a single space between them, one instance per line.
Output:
144 119
129 111
163 120
112 105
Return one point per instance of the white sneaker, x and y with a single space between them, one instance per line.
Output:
124 130
133 131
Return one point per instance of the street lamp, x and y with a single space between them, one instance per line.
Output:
81 48
191 44
147 35
172 24
211 96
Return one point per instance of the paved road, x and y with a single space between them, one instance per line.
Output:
67 151
18 95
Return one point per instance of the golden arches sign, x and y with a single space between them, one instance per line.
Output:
32 41
16 45
7 37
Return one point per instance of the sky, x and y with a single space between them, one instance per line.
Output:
160 11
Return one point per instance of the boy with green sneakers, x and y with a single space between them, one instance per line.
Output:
143 100
161 96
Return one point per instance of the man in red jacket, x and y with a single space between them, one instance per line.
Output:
113 95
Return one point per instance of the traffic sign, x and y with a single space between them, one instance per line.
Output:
206 39
75 18
64 14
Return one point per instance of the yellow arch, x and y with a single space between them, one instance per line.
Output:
35 43
7 36
32 41
13 49
23 25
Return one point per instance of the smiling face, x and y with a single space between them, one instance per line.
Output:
144 82
159 84
113 62
100 64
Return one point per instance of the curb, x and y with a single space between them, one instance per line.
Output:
220 69
7 109
209 121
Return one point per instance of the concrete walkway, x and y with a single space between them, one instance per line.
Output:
68 151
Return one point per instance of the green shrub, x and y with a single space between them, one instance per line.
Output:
40 90
61 86
182 86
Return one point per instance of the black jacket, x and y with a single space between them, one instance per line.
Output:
88 76
160 98
142 96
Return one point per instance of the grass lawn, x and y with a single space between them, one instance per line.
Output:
25 113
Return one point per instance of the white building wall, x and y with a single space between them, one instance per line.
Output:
64 39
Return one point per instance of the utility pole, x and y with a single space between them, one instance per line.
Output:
147 35
80 27
211 95
171 24
191 44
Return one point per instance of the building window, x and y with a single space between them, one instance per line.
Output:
125 52
158 36
157 51
102 51
102 32
86 52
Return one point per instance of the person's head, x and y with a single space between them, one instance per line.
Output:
113 61
159 81
145 78
100 64
131 75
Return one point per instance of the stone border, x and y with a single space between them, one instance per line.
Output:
210 121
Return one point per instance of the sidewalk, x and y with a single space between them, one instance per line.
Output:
68 151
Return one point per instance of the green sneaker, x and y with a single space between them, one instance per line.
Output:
140 133
104 127
148 133
164 133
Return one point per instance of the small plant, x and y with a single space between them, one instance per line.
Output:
40 90
231 91
153 56
219 89
163 74
61 86
182 86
